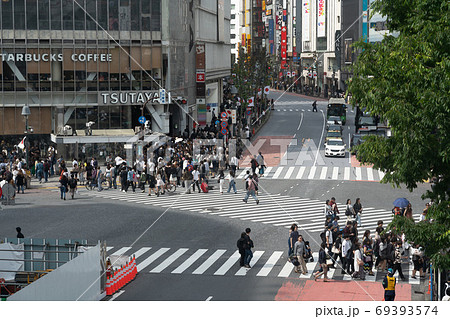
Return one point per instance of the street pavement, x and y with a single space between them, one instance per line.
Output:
185 244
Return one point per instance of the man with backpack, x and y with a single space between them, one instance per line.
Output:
248 245
251 190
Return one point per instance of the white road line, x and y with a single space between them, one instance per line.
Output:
287 269
289 172
301 120
346 173
121 251
256 255
208 263
374 277
141 251
228 264
265 270
190 261
242 174
321 137
151 259
323 174
109 248
267 171
370 174
300 172
166 263
411 280
358 173
117 294
312 172
335 173
278 172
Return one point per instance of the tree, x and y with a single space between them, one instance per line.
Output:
405 80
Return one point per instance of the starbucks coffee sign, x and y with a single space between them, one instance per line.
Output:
127 97
47 57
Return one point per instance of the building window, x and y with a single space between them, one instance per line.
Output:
7 15
43 15
55 10
19 14
67 14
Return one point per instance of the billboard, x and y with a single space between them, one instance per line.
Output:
306 11
321 18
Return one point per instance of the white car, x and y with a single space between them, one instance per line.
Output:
335 147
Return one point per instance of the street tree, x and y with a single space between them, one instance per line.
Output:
405 81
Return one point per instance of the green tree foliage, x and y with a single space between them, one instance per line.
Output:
251 73
405 80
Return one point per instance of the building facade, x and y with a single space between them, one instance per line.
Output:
98 65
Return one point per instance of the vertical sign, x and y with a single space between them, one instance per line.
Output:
283 47
321 18
201 92
337 48
306 11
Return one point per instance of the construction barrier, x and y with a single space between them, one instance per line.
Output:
120 277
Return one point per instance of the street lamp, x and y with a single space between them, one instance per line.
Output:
26 112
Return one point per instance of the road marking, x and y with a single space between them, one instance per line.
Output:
256 255
278 172
151 259
347 173
228 264
190 261
117 294
289 172
358 173
109 248
267 171
312 172
370 174
321 137
287 269
300 172
121 251
209 298
141 251
301 120
323 174
335 173
242 174
270 264
208 263
166 263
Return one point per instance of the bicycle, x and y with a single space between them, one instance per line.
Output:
90 185
171 187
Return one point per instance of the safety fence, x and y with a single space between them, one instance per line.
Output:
116 279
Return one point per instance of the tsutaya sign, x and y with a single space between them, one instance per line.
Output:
128 97
47 57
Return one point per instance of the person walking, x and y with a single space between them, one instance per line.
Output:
100 177
389 283
349 210
322 263
221 180
314 106
72 185
152 184
398 260
63 186
357 207
358 262
19 232
196 177
187 180
254 164
130 180
299 251
20 181
248 245
251 190
346 261
293 238
240 246
232 181
260 160
123 179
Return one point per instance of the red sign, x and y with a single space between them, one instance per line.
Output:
200 76
283 46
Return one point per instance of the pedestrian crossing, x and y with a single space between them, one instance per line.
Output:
319 173
225 262
277 210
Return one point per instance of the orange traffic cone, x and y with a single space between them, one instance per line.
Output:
135 271
108 287
429 287
114 282
126 273
121 278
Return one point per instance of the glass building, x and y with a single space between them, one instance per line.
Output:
71 61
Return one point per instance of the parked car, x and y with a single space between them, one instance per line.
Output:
335 147
368 122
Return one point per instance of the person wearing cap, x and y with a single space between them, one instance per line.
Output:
389 283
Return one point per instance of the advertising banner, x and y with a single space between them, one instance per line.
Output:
321 18
306 11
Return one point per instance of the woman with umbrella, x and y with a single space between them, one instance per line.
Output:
399 206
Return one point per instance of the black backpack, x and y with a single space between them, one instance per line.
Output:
323 237
240 243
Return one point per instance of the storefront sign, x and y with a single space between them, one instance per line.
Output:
46 57
130 98
321 9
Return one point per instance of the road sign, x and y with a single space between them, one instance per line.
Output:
200 77
217 122
249 112
162 96
142 119
224 131
224 124
223 114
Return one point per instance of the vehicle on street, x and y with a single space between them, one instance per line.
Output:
333 135
335 147
334 128
334 120
337 107
368 122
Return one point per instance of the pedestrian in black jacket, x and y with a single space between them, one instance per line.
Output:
240 246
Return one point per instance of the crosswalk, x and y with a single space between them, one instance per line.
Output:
277 210
320 173
224 262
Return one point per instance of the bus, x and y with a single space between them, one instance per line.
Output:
337 107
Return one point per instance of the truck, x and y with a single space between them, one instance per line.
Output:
337 107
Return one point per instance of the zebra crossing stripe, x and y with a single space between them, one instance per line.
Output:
300 172
141 266
121 251
189 261
312 172
228 264
256 255
374 277
335 173
287 269
268 266
370 174
242 174
209 262
109 248
289 172
346 173
323 174
267 171
166 263
278 172
358 173
141 251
